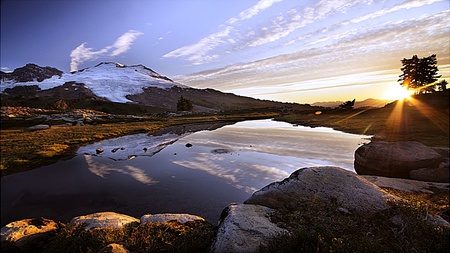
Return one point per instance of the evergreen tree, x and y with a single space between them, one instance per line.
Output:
442 85
348 104
184 104
419 74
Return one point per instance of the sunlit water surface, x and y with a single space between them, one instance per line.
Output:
140 174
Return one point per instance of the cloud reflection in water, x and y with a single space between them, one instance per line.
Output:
102 169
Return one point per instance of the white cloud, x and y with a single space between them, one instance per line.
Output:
124 42
120 46
82 54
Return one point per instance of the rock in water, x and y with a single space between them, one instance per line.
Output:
394 159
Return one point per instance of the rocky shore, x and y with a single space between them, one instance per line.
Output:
248 226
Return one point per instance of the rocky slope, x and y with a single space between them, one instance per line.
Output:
29 73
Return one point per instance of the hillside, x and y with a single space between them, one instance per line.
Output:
120 89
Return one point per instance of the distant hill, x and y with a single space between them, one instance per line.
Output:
117 88
370 102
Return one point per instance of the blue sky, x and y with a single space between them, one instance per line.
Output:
284 50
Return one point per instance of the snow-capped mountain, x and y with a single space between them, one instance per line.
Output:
117 89
113 81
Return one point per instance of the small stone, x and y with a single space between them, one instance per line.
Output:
39 127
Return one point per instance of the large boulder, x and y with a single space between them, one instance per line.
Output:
440 174
104 220
328 184
27 232
395 159
165 217
244 228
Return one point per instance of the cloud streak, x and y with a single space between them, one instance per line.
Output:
82 53
199 53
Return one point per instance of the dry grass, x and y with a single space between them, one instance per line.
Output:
170 236
318 227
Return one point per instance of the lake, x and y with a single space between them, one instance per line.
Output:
179 171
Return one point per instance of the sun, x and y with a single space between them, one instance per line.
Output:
398 93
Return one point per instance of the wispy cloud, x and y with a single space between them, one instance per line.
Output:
382 46
199 53
120 46
253 11
124 42
404 6
271 30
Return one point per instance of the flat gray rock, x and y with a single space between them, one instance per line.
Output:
328 184
104 220
165 217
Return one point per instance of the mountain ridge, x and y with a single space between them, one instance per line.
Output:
110 80
115 85
369 102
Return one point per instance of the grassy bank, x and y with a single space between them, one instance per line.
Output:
319 227
23 150
423 118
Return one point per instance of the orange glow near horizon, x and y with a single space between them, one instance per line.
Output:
398 93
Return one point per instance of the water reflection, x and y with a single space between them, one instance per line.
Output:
103 170
222 166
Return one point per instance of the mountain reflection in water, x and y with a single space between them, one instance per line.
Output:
140 174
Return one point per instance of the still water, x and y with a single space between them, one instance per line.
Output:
177 171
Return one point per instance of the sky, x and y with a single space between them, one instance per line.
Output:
282 50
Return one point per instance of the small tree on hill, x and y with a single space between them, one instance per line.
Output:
442 85
419 74
184 104
348 104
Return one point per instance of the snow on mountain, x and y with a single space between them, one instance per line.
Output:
110 80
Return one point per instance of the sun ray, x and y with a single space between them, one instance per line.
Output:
399 121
